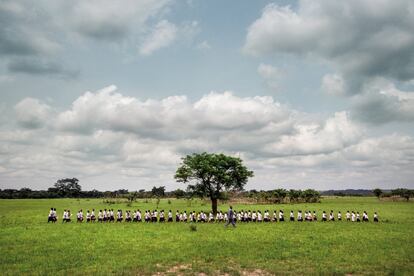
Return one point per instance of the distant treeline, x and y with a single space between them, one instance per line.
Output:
70 188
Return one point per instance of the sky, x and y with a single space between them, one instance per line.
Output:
310 94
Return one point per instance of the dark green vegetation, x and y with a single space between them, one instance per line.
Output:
29 245
212 174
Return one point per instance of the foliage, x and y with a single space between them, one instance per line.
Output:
212 173
402 192
377 192
158 191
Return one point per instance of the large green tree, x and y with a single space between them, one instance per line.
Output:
377 192
67 187
211 174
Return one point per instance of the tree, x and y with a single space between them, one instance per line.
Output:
179 193
280 195
310 195
212 173
158 192
294 195
67 187
402 192
377 192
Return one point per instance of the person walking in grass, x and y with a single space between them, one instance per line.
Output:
230 217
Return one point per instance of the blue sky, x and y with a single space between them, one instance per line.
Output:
312 94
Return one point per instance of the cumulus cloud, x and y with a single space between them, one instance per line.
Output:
112 20
31 113
360 39
270 74
164 33
384 103
110 140
35 66
107 109
333 84
34 35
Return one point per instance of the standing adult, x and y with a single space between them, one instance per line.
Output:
230 217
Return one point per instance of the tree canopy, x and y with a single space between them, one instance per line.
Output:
211 174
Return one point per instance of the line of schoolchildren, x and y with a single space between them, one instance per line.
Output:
242 216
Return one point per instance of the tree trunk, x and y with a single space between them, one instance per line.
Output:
214 205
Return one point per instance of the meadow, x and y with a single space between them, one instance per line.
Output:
29 245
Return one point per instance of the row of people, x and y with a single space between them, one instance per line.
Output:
108 215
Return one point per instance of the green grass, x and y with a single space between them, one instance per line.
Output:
29 245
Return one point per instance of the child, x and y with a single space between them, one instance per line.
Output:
281 216
211 217
112 216
119 216
375 217
105 215
323 216
300 216
127 216
348 216
50 217
185 218
100 216
177 216
274 216
162 219
339 216
254 216
365 216
259 216
55 218
314 217
93 215
239 216
80 216
292 216
357 217
170 219
64 216
138 216
353 217
246 217
266 216
331 216
154 216
88 216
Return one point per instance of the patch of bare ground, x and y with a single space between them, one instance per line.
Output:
186 269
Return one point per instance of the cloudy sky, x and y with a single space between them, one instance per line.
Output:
310 94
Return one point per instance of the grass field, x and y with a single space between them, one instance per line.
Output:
31 246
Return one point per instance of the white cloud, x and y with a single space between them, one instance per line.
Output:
333 84
109 140
163 34
31 113
382 103
204 45
360 39
270 74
